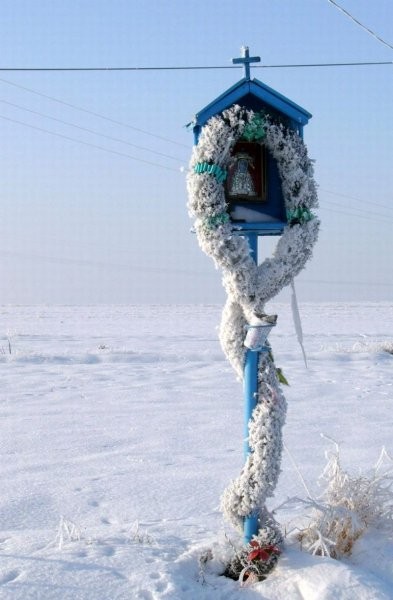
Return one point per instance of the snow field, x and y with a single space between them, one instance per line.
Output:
122 425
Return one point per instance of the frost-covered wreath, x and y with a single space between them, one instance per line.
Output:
250 286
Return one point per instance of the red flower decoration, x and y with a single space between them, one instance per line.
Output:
261 553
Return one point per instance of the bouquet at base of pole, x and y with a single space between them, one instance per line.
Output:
254 561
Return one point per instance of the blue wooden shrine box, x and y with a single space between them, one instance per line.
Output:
257 96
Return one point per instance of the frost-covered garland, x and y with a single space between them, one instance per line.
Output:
250 286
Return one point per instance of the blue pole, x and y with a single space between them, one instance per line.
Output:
250 400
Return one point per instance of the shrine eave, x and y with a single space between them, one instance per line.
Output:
259 90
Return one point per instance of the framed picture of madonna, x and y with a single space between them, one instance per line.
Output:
247 173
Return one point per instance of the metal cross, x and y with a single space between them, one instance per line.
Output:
246 60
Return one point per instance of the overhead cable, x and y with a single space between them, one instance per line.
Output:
363 211
108 137
91 112
369 218
194 67
368 202
373 217
348 14
368 283
96 146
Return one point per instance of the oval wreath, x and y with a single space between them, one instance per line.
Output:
250 286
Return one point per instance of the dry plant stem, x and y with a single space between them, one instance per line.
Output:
348 507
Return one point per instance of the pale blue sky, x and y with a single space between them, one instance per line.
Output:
82 225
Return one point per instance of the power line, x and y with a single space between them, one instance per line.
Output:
368 217
108 137
90 112
117 153
348 14
368 202
325 281
362 210
342 64
95 263
97 147
193 67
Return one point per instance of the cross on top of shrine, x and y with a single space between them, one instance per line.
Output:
245 60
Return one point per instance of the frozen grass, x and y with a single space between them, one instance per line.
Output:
348 507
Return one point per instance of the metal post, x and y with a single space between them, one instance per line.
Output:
250 400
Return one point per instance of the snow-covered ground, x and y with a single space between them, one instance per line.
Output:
122 425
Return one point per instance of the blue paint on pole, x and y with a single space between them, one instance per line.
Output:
250 393
251 526
250 402
250 399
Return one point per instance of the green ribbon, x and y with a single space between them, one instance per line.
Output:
213 169
255 130
299 215
280 375
217 220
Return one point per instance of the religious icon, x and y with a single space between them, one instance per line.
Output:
247 174
242 183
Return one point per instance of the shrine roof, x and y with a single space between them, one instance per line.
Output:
253 88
